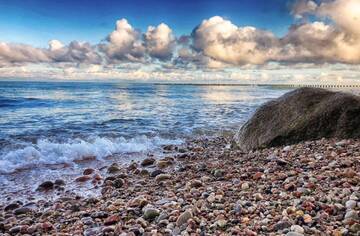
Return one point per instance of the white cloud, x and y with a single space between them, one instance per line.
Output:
124 43
223 41
160 42
324 33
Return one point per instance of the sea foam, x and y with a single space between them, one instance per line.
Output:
45 152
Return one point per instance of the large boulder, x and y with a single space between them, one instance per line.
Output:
302 114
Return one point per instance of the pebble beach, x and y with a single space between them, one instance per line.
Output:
207 187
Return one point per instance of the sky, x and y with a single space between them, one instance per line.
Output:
243 41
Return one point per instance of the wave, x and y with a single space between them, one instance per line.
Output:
51 153
20 102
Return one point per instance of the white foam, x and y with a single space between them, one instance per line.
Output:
46 152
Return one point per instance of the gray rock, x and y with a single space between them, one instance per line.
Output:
183 218
303 114
351 204
151 213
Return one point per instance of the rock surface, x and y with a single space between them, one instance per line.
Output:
300 115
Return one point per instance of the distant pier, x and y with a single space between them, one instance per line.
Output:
270 85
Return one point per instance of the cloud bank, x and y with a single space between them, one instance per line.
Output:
323 32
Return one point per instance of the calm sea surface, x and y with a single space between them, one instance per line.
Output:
46 124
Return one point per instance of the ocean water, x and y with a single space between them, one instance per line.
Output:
44 125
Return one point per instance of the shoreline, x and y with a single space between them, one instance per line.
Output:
310 188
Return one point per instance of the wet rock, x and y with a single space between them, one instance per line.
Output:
161 164
45 186
22 211
114 168
59 182
83 178
12 206
148 161
88 171
118 183
156 173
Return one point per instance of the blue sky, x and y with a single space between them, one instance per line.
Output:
36 22
244 40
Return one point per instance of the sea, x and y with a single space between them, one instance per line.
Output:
48 130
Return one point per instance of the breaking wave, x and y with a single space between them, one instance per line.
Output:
48 153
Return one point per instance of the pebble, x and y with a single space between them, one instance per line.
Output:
47 185
148 161
245 186
297 229
162 177
151 213
351 204
183 218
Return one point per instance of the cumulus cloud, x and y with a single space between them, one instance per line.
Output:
124 43
75 52
324 32
335 41
223 41
160 42
20 53
334 37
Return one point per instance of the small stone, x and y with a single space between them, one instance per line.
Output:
258 197
151 213
163 163
287 149
294 234
196 184
113 219
297 228
114 168
12 206
162 177
281 225
183 218
22 211
219 173
148 161
59 182
221 223
118 183
257 176
307 218
47 185
281 162
355 228
99 214
351 215
156 173
88 171
83 178
15 230
245 186
351 204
